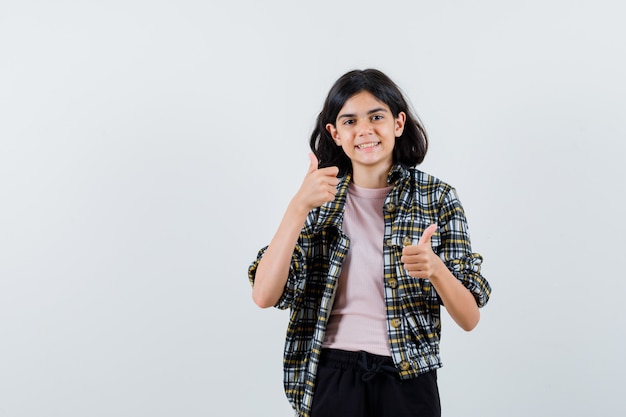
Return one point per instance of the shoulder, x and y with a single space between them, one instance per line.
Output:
429 191
425 182
432 193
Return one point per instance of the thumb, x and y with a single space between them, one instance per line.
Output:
425 239
314 163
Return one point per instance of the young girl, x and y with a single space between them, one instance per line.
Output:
366 253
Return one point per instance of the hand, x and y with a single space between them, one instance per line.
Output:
419 260
319 185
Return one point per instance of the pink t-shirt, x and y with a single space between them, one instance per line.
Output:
358 319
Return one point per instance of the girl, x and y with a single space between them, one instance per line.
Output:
368 250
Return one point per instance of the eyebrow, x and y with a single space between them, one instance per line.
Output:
348 115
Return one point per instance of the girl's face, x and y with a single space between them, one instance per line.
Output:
366 130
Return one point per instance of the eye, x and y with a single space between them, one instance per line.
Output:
348 122
377 117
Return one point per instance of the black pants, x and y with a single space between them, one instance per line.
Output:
359 384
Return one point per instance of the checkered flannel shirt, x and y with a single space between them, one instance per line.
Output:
412 305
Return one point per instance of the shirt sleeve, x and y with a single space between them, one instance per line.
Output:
294 287
456 251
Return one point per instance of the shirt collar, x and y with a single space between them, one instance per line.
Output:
331 213
397 172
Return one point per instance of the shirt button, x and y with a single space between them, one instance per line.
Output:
404 366
389 242
393 283
396 322
406 241
390 207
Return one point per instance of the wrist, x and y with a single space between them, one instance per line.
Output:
298 208
440 271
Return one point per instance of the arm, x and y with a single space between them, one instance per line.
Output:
319 186
421 261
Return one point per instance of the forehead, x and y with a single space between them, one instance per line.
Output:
362 101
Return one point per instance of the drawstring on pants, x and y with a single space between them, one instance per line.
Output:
368 364
374 368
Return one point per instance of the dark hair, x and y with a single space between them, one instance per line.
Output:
410 148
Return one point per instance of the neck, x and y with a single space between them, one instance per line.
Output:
370 178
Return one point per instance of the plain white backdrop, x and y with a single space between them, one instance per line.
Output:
149 148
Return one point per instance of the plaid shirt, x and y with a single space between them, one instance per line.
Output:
412 304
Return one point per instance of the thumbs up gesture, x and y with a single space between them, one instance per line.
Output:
420 261
319 185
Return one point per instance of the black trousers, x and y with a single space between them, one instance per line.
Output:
360 384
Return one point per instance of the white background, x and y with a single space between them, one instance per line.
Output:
149 148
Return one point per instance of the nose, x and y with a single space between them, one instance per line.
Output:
364 127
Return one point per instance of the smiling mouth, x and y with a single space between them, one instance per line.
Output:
367 145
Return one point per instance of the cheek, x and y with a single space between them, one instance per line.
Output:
345 136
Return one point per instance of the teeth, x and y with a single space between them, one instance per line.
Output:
367 145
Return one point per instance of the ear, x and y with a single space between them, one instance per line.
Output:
400 121
333 133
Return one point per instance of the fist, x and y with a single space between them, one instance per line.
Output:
319 185
420 261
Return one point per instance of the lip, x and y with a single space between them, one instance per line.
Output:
367 145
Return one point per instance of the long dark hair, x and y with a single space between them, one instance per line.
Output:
410 148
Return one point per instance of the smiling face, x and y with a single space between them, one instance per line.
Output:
366 130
